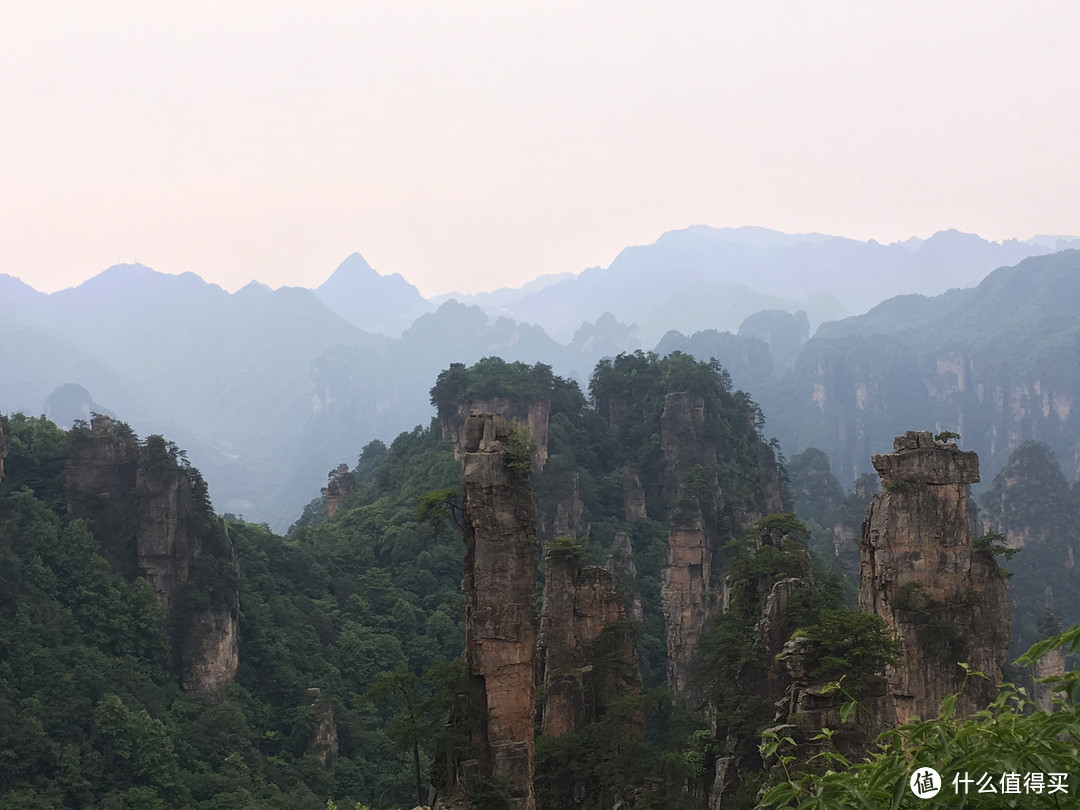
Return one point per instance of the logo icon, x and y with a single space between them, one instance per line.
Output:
925 783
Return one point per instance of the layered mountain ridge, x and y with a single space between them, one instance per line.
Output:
242 379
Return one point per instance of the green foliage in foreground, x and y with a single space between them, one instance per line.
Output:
1010 737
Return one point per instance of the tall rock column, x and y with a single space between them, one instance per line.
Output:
500 601
587 650
921 571
687 597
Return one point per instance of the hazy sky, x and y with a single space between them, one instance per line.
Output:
470 145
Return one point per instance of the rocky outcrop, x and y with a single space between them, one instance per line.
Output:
769 480
807 707
500 528
528 413
941 596
611 409
562 512
620 562
324 740
633 494
686 598
153 519
587 650
686 579
1050 665
683 440
700 520
339 486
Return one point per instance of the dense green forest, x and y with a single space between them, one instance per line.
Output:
90 712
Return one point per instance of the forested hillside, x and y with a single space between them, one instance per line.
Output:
91 710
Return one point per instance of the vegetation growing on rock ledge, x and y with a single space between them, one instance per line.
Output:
1013 736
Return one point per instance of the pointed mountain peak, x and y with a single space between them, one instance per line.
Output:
374 302
353 268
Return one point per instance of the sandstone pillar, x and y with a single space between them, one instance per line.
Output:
500 524
939 594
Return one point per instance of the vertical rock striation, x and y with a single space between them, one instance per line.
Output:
633 494
685 595
940 595
809 705
620 562
500 526
153 520
587 651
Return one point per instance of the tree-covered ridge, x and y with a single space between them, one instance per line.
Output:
630 392
488 378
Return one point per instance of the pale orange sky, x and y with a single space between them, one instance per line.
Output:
479 144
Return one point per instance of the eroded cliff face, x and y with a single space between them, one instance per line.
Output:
633 494
587 650
500 528
808 706
620 562
942 597
153 522
851 394
339 486
700 521
683 440
527 413
685 595
562 512
1033 505
324 741
1049 666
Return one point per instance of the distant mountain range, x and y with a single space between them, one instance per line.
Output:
270 389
